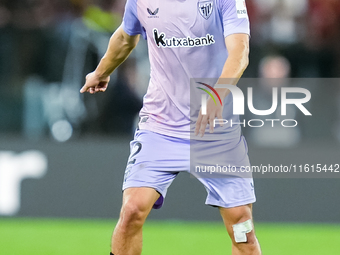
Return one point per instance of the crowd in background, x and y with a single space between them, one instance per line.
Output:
35 39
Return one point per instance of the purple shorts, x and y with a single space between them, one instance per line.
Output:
156 159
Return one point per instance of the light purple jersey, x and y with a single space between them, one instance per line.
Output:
185 41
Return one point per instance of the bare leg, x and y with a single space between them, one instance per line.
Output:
232 216
127 236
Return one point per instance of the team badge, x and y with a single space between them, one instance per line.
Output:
205 8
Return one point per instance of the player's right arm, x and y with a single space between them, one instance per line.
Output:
120 46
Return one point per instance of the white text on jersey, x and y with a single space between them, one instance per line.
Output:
175 42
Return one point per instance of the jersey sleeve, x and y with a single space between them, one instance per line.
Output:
131 23
234 17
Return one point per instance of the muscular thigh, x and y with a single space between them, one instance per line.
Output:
140 199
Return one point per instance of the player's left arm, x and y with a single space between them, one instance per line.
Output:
236 63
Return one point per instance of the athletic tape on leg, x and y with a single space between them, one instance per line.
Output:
241 230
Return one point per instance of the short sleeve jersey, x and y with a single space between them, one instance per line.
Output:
186 40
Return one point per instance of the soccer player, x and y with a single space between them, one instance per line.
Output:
188 41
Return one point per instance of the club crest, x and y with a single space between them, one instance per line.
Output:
205 8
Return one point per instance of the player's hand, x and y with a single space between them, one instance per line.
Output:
213 111
95 83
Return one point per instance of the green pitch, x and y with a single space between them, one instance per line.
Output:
92 237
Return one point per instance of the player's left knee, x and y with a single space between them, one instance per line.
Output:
250 246
244 238
243 233
251 239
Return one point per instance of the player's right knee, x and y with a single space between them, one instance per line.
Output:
133 214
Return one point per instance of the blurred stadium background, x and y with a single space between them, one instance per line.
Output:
63 155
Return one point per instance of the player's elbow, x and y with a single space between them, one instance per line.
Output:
240 57
242 61
238 49
120 39
245 63
245 57
129 41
